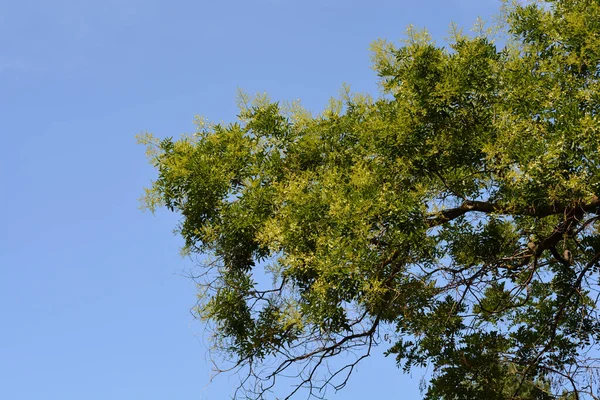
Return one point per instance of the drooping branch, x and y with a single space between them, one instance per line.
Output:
553 327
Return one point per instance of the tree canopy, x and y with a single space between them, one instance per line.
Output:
452 219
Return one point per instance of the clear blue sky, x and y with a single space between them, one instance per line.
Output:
92 300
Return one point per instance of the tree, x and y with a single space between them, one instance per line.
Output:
454 218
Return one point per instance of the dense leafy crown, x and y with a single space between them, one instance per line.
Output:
454 219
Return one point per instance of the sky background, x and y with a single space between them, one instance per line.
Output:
93 303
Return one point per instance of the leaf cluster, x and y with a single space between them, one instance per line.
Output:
455 217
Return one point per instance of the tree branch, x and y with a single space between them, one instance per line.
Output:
441 217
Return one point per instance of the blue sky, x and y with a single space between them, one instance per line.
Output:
92 298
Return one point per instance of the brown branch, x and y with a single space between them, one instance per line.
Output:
441 217
467 206
558 257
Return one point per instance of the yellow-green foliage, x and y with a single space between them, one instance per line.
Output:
456 215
